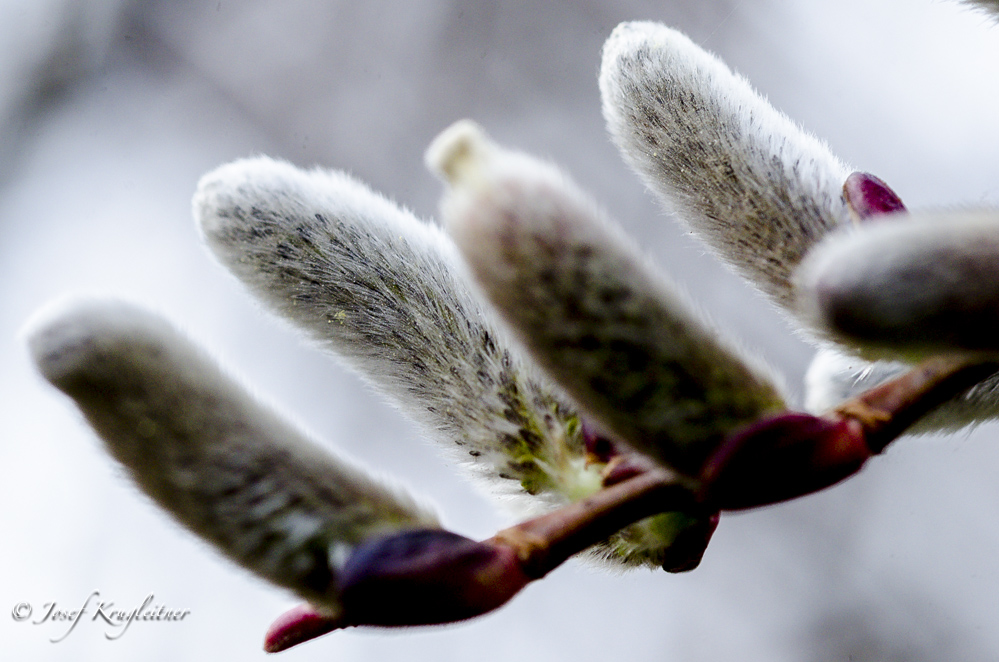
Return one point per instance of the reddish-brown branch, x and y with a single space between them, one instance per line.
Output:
434 576
888 410
545 542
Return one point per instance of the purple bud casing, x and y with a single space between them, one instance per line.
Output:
427 577
689 546
781 458
297 626
868 196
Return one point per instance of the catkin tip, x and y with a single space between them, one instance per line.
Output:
66 336
458 152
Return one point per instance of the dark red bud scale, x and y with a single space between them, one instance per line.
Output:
868 196
687 549
781 458
427 577
598 447
297 626
419 577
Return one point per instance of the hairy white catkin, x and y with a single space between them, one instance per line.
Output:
922 284
744 178
224 465
593 312
385 291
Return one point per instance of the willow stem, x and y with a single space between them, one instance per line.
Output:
545 542
886 411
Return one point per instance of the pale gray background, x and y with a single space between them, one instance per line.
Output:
109 113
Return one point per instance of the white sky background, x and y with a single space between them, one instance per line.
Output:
112 110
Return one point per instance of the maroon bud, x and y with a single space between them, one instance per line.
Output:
869 196
299 625
622 467
781 458
427 577
689 546
598 447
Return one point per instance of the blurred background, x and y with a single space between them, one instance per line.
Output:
111 110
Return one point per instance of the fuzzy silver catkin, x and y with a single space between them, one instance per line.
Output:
745 178
384 291
835 376
593 312
224 465
922 285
